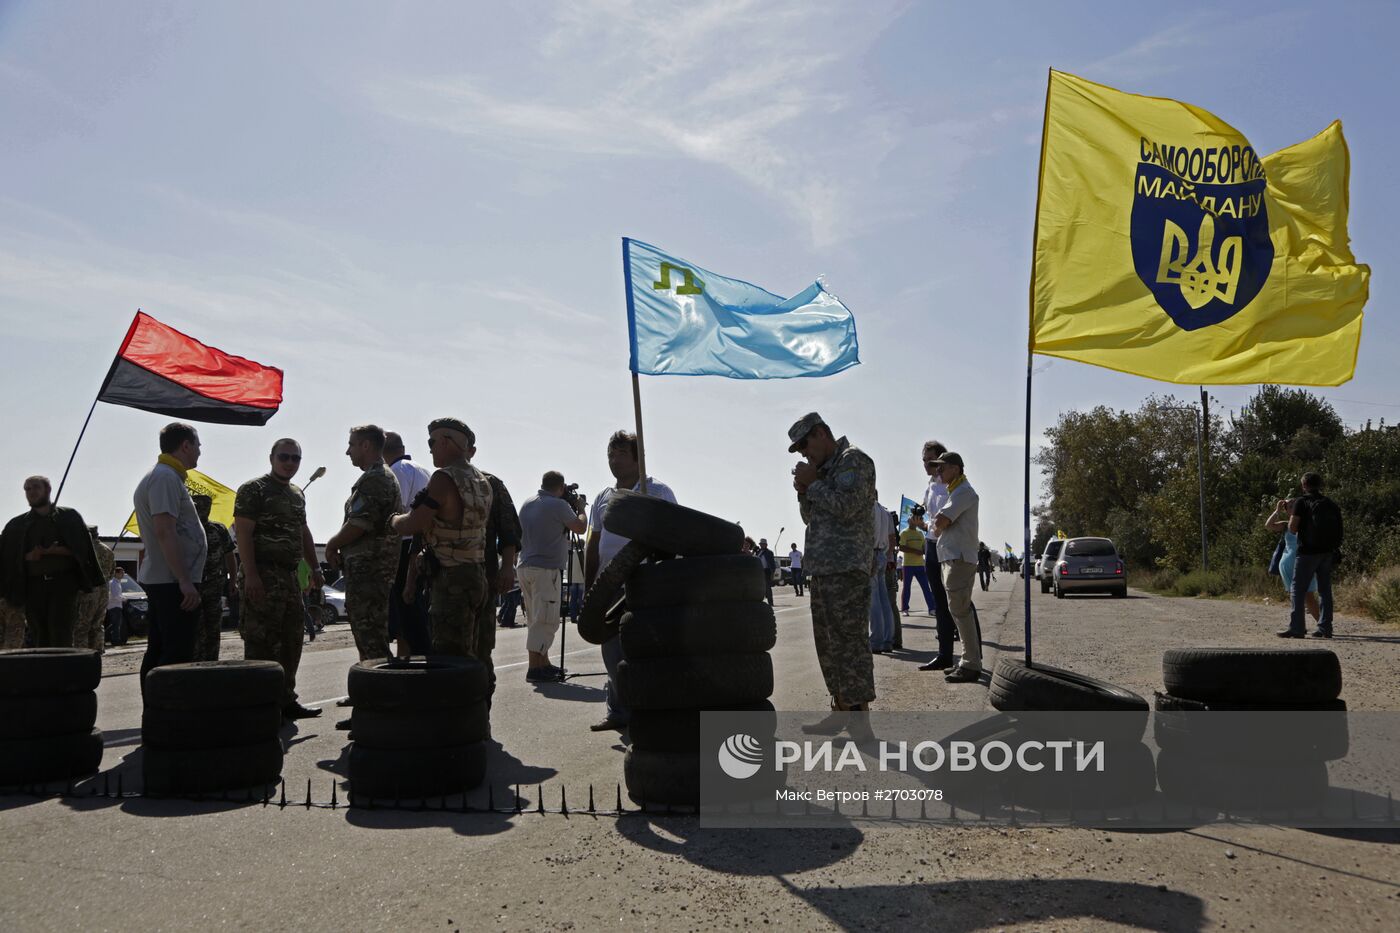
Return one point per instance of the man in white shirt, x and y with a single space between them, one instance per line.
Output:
175 549
934 497
795 565
116 607
408 621
548 521
955 524
603 546
881 612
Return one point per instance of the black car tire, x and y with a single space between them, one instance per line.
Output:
1044 586
213 685
678 730
1175 725
1017 688
713 682
328 616
374 728
48 671
32 717
660 778
50 758
1253 676
595 610
1235 787
1120 593
669 528
173 772
1059 593
414 686
205 729
730 578
704 629
403 773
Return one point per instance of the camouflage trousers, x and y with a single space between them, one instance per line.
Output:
273 629
455 607
841 627
369 576
11 626
88 629
211 620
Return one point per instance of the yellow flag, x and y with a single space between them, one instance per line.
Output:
200 484
1165 246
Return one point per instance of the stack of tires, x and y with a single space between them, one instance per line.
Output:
419 728
211 726
1236 759
48 706
695 636
1048 703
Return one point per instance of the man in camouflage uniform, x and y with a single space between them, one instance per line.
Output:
219 567
88 630
503 534
365 544
451 515
269 523
836 495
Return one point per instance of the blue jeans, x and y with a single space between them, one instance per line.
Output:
797 581
1306 567
920 574
881 612
612 654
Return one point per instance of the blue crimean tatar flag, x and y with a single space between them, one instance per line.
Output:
906 509
686 321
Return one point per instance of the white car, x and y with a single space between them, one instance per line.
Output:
333 597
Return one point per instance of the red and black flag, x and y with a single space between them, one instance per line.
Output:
160 369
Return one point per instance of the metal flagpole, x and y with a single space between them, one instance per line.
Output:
641 445
1026 553
86 420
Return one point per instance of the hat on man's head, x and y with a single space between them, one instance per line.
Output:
802 428
453 424
949 457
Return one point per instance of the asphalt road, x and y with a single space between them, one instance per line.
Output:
169 865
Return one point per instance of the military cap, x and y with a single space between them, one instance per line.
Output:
802 428
948 458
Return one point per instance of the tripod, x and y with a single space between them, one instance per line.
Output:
575 547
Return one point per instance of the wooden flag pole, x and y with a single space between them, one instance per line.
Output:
641 445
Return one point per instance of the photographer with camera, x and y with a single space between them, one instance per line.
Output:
547 520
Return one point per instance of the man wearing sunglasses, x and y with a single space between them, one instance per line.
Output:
451 513
365 545
836 494
269 524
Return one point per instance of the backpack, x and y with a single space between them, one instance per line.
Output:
1322 534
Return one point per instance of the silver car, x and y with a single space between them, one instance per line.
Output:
1046 563
1090 565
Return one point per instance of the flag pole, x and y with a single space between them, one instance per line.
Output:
86 421
1030 360
641 445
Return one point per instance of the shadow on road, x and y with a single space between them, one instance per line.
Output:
957 906
579 693
747 852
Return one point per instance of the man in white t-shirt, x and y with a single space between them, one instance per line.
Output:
116 608
548 519
795 565
603 546
175 549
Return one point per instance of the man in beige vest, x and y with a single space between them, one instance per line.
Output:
451 514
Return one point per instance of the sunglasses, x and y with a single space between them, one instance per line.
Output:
289 458
432 441
802 444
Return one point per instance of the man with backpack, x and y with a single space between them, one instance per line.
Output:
1317 521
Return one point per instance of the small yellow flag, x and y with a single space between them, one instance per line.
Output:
1165 246
221 511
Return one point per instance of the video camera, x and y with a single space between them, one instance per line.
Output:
572 497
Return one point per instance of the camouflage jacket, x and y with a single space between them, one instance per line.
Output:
106 562
502 527
838 509
374 499
278 511
220 547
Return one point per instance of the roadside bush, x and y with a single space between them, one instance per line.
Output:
1376 595
1162 581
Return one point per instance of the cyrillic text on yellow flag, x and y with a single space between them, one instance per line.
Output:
1165 246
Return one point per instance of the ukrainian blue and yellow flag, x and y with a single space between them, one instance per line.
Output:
1167 247
686 321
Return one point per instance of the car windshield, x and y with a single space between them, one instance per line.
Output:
130 586
338 586
1090 547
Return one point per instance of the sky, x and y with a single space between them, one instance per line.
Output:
415 210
